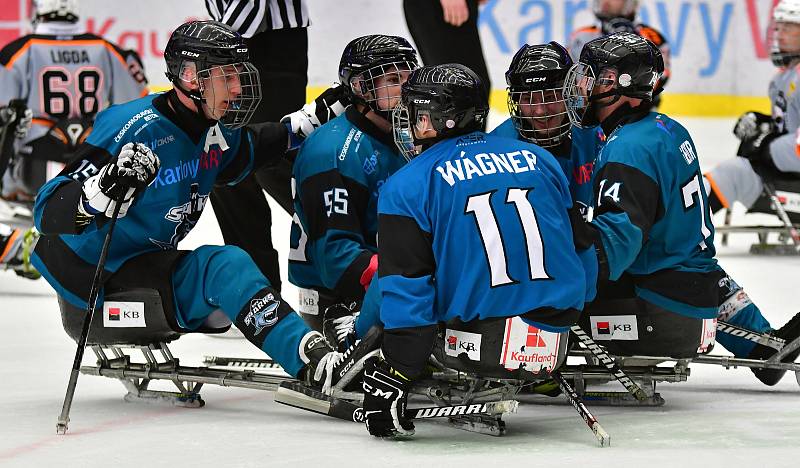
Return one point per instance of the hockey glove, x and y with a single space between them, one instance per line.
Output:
133 170
752 124
325 107
17 110
385 398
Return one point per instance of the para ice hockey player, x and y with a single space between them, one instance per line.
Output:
769 143
199 130
651 220
535 81
338 174
65 76
474 227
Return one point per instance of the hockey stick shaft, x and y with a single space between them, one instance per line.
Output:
609 363
784 217
576 402
760 338
63 419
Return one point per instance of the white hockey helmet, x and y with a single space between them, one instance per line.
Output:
786 11
55 10
629 9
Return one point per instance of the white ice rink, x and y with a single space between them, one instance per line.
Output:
718 418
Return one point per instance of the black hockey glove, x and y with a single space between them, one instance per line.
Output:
385 398
16 110
130 172
756 131
325 107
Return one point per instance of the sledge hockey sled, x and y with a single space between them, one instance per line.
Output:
130 336
782 199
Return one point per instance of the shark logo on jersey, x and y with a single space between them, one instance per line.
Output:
186 216
263 313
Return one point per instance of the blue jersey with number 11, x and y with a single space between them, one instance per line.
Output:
478 227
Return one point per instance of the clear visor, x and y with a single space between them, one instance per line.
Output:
231 93
539 116
403 133
379 86
578 87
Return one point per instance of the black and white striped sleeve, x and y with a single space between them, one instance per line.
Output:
250 17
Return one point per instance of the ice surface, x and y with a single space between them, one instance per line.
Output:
717 416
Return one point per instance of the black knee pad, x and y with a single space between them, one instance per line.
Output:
260 315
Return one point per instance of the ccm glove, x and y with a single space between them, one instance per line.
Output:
385 398
303 122
133 170
752 124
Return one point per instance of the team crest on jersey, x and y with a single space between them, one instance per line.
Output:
371 163
186 216
263 313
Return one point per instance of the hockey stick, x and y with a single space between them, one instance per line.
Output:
63 419
296 394
609 363
583 411
784 217
7 137
764 339
241 362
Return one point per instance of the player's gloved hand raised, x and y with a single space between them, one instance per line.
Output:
385 398
325 107
17 111
752 124
130 172
756 131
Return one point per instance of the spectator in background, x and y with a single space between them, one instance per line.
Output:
446 31
277 36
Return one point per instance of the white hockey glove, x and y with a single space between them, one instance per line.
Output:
325 107
133 170
16 110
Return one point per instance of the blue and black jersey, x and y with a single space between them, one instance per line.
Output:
338 174
575 155
653 216
192 162
478 227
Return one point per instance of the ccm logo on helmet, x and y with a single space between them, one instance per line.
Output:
422 101
242 50
535 80
190 54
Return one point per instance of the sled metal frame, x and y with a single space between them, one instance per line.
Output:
113 361
784 246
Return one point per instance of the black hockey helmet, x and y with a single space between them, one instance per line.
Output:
637 66
216 52
451 95
535 81
367 58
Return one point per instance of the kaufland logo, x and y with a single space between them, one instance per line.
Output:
534 340
14 20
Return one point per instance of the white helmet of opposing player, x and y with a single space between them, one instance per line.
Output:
786 33
55 10
787 11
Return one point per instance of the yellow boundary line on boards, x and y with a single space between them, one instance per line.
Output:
691 105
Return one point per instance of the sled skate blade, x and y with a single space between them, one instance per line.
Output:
481 424
192 400
775 250
299 396
598 398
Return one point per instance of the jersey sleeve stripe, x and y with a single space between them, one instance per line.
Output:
717 191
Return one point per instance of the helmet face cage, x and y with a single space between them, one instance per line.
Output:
785 14
379 86
540 116
403 133
578 88
230 92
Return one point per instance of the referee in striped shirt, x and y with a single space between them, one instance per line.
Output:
275 31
